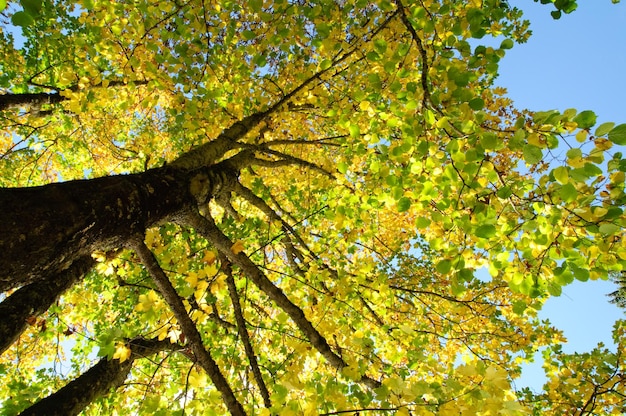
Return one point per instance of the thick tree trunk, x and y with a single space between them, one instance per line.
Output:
96 382
34 299
45 229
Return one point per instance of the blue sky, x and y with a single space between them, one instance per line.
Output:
577 62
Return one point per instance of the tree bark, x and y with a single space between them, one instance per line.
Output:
34 299
34 100
45 229
95 382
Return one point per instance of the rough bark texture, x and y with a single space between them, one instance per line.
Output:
34 100
96 382
45 229
34 299
189 328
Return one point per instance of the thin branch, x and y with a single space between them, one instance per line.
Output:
422 51
187 325
207 228
243 332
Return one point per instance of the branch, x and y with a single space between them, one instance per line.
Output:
188 327
36 99
243 333
207 228
210 152
35 298
420 47
96 382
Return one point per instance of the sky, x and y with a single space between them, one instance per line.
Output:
577 62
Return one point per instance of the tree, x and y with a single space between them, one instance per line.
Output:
269 207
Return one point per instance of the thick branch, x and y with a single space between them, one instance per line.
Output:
96 382
34 299
207 228
34 100
187 325
243 332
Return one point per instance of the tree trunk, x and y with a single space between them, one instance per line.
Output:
45 229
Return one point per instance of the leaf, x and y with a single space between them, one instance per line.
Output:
3 5
568 192
485 231
585 119
603 129
532 154
22 19
561 174
355 131
32 7
444 266
618 134
477 104
404 204
237 247
506 44
122 352
609 229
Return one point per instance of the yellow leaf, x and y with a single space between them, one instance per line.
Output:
237 247
209 257
197 379
122 352
192 279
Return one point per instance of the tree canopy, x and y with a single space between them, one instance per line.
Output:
292 207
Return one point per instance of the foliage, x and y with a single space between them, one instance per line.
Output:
387 228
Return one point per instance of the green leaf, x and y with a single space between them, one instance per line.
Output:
477 104
444 266
585 119
504 193
3 5
568 192
603 129
618 134
561 174
489 141
342 167
32 7
532 154
248 35
580 273
506 44
404 204
260 60
22 19
421 223
256 5
608 229
355 131
485 231
574 153
554 290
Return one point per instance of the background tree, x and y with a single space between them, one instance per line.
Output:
270 207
